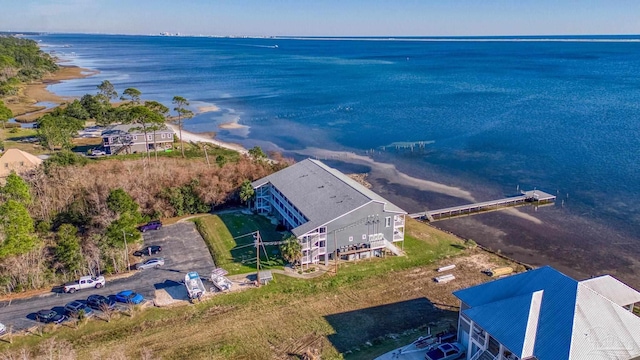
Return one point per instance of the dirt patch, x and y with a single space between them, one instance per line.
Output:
361 179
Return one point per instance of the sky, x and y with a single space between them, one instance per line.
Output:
324 17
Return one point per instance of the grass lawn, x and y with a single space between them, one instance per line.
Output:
192 151
234 252
355 313
12 137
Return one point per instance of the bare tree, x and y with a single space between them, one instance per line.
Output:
107 311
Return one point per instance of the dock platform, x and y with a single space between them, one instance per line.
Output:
532 196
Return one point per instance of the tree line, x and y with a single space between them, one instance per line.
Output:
21 60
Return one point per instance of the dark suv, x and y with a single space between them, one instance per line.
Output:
50 316
100 302
151 225
148 251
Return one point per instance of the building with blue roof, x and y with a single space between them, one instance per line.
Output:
543 314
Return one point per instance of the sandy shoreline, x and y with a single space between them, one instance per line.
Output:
23 105
191 137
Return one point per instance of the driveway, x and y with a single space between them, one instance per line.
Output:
183 249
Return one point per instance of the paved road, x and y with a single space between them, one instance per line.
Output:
183 249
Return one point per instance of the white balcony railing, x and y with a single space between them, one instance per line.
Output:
398 235
479 337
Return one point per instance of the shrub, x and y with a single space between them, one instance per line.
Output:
64 158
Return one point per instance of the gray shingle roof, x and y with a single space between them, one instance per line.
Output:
321 193
126 129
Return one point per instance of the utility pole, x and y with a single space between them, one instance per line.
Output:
126 250
335 244
206 155
257 237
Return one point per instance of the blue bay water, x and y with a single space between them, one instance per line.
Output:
563 116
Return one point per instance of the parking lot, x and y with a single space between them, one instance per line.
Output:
183 249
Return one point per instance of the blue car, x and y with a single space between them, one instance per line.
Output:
129 297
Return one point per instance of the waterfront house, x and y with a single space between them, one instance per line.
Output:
327 210
543 314
18 161
129 139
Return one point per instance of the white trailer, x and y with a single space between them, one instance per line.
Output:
219 280
195 287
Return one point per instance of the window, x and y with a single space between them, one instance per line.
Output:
149 137
364 236
135 137
350 238
387 221
21 163
323 230
163 136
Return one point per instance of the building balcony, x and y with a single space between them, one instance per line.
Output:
398 235
398 223
479 337
377 244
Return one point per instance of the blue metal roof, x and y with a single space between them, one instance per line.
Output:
495 302
511 326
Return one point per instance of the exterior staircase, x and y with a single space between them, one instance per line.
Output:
394 249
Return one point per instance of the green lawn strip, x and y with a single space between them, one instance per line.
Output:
190 153
238 256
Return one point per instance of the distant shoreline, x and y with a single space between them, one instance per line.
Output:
24 105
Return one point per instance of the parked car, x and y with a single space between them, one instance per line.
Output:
97 152
3 329
50 316
148 251
446 351
151 263
74 308
100 302
129 297
84 282
151 225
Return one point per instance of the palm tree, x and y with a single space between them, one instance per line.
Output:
246 191
183 113
291 250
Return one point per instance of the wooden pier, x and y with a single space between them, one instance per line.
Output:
533 197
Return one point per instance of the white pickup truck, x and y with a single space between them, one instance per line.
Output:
84 282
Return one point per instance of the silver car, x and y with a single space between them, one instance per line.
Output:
151 263
3 329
